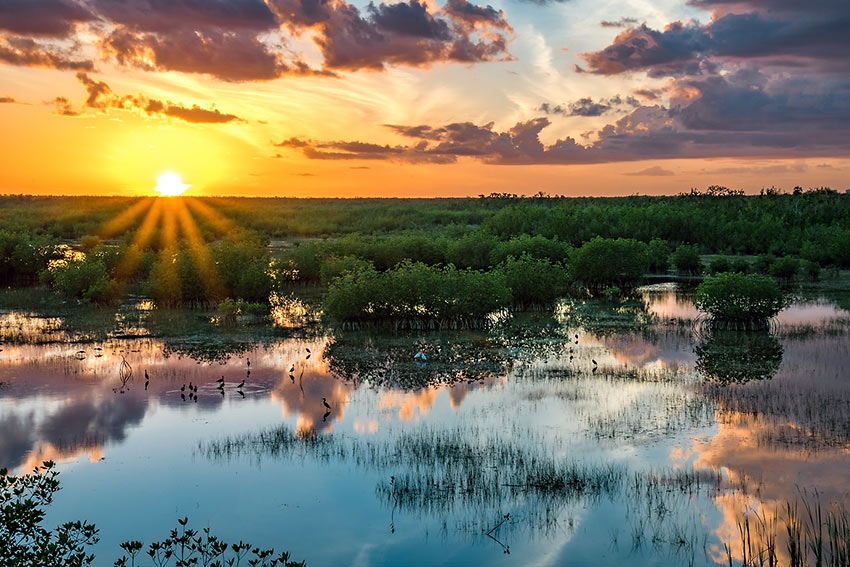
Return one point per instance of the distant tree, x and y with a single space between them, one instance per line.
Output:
658 253
686 259
763 262
740 265
719 264
336 266
811 269
784 268
472 251
534 281
605 262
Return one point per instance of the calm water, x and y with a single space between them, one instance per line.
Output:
418 460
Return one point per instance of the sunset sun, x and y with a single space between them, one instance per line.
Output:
169 184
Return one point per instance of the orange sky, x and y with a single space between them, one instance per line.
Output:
544 101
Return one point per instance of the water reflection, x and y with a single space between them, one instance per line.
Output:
601 426
729 357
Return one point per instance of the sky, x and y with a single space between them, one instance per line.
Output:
331 98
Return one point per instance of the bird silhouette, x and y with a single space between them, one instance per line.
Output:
308 350
248 360
183 388
327 405
146 374
191 387
594 362
292 368
239 387
220 380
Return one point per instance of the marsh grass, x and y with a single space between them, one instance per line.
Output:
802 532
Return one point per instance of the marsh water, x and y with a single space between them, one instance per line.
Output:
601 433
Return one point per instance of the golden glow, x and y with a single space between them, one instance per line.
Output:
169 184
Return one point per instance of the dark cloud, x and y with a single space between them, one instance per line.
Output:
786 33
53 18
96 90
6 99
242 40
588 107
229 56
167 15
655 171
407 34
64 107
409 19
198 115
621 23
100 96
23 51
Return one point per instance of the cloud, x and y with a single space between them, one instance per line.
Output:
245 40
6 99
54 18
621 23
193 114
735 115
655 171
26 52
64 107
785 33
587 107
100 96
408 33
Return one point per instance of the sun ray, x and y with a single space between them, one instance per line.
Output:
125 219
213 283
169 225
220 223
127 268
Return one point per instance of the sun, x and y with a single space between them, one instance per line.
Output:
169 184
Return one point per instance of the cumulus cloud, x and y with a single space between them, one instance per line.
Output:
782 32
245 40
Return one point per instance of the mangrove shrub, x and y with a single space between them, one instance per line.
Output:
686 259
605 262
740 299
414 295
534 282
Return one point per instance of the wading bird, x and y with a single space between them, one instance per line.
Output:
239 387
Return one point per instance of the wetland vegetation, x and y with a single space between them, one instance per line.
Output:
463 381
